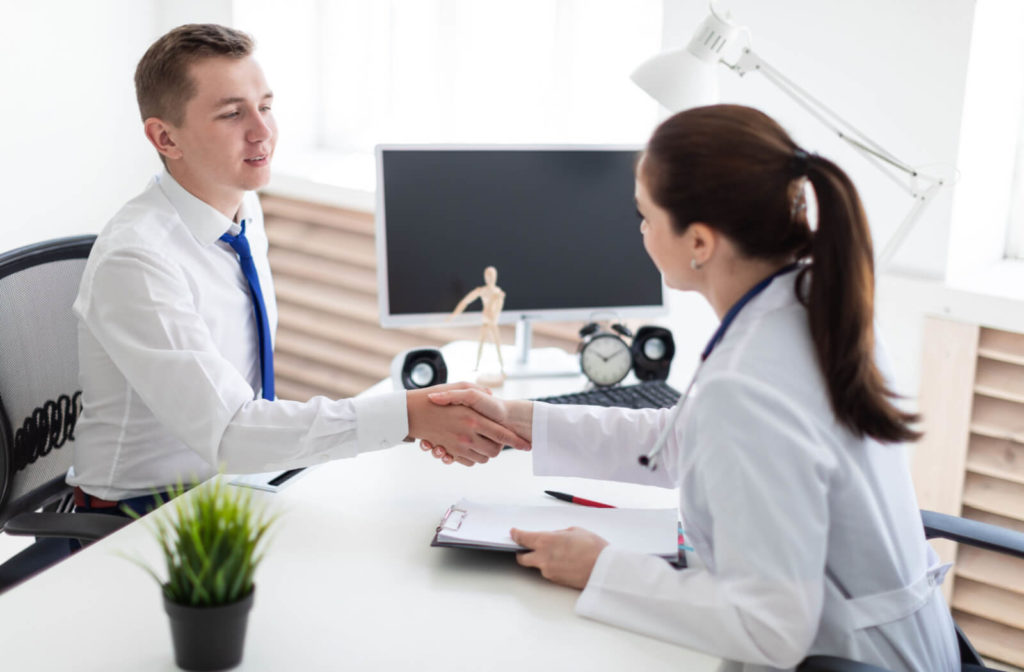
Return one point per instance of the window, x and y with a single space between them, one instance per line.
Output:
349 74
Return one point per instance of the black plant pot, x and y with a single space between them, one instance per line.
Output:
209 638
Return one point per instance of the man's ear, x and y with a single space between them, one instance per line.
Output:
161 135
703 240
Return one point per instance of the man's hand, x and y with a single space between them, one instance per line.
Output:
516 415
566 557
468 437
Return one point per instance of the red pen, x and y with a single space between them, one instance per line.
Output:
578 500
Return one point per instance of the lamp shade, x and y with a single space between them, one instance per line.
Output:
685 78
678 80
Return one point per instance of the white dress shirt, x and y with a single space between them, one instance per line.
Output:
808 539
169 358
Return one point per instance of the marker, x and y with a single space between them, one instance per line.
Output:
578 500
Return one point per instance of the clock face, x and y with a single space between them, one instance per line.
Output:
606 359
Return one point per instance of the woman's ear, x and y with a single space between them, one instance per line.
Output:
703 241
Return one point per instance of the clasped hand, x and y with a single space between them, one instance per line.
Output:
468 436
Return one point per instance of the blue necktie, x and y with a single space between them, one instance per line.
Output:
240 244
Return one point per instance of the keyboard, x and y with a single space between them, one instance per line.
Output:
649 394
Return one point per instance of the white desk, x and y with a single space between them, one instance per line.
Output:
349 582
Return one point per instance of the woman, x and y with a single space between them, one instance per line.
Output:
793 484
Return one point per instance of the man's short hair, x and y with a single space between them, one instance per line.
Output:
162 83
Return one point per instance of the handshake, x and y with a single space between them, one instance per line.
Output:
462 422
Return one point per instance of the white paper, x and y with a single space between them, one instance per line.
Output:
653 531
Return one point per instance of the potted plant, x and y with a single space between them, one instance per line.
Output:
212 541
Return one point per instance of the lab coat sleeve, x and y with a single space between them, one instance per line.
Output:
762 481
602 443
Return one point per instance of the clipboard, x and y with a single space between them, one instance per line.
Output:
475 525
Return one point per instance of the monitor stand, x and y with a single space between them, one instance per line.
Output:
540 362
520 360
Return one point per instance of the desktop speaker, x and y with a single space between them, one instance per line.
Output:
417 368
653 350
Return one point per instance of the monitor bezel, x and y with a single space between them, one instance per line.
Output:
507 316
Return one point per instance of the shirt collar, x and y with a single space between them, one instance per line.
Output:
205 222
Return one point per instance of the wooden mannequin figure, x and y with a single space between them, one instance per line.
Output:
493 299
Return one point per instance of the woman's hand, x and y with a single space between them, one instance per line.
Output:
566 557
515 415
468 436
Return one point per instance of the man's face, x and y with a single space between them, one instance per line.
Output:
227 138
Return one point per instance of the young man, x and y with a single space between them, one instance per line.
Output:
176 308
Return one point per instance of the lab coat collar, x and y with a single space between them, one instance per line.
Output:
203 221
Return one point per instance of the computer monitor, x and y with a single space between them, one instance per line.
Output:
558 223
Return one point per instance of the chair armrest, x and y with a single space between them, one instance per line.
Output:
86 526
973 533
834 664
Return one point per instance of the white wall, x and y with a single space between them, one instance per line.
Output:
895 70
72 147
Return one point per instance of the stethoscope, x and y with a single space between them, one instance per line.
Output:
648 460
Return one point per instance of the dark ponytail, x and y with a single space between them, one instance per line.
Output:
840 307
738 171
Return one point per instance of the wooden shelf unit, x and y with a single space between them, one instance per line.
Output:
971 463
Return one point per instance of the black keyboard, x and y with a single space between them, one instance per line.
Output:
650 394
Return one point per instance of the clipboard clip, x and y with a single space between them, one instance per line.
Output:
452 519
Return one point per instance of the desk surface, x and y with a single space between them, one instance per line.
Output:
349 582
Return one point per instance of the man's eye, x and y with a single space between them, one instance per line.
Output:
639 214
229 115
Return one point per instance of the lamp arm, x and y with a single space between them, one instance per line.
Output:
896 239
872 151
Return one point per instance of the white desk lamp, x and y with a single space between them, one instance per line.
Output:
684 78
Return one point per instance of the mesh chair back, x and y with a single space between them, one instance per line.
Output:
40 398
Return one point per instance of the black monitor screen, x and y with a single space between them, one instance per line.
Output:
560 226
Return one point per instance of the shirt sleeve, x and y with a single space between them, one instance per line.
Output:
148 326
764 515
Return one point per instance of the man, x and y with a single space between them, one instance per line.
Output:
176 308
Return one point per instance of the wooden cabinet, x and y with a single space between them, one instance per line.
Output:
971 463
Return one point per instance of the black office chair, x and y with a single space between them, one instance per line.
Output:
939 526
39 403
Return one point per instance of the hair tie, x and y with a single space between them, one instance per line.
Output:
798 163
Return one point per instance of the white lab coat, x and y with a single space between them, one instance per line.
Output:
808 540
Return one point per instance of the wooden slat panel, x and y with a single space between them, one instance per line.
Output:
332 300
994 495
999 458
289 389
330 382
330 355
1002 345
992 639
315 213
991 568
993 519
1000 379
346 331
340 246
298 265
998 418
995 604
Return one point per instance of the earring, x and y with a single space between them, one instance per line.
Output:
694 265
